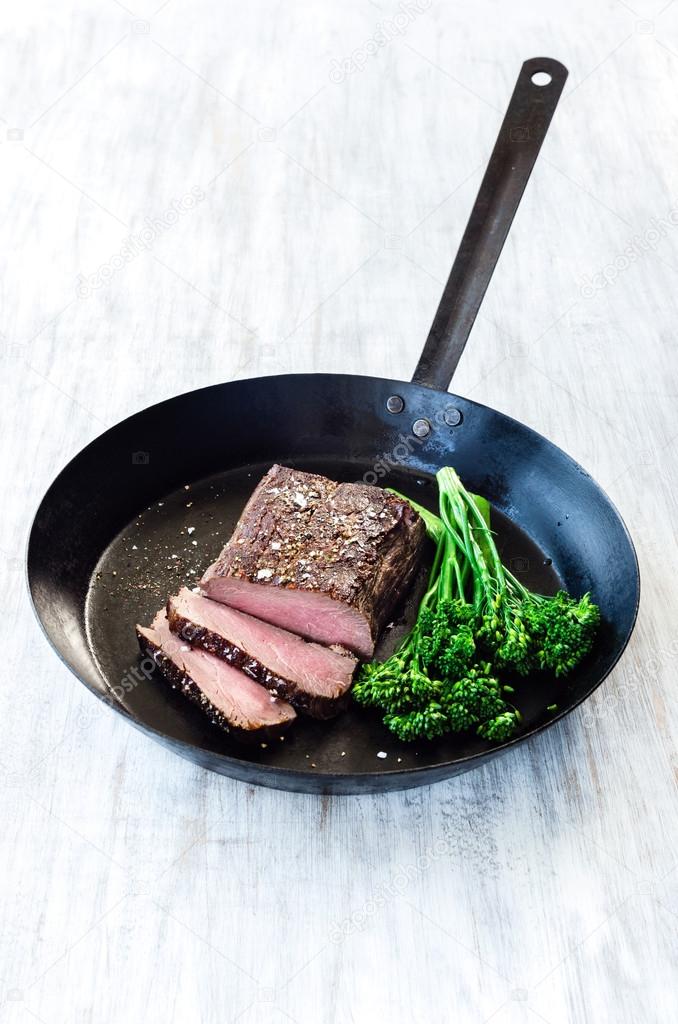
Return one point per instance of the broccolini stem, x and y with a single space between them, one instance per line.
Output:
448 480
450 505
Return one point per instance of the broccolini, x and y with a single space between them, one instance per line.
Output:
475 621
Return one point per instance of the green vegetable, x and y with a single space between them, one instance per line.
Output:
500 728
475 621
522 631
435 682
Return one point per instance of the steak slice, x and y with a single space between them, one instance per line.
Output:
328 561
228 697
314 679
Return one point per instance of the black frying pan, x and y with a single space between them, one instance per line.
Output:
112 537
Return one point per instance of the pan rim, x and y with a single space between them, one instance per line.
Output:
368 781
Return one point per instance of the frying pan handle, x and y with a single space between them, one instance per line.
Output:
520 137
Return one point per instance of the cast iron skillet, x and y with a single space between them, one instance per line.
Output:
111 538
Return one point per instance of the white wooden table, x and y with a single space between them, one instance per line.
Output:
135 887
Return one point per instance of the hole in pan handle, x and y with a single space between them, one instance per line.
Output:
535 97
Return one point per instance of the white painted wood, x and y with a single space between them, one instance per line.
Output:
137 887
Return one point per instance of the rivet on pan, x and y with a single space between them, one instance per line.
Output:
421 428
395 404
452 416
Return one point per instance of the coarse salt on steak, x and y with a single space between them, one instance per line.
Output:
326 560
228 697
313 678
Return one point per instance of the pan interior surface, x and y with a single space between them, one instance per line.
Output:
148 505
171 542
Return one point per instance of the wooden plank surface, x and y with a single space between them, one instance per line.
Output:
333 152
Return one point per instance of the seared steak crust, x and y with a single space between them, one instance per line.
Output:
315 705
354 543
180 680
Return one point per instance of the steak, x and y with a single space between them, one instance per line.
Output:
328 561
229 698
314 679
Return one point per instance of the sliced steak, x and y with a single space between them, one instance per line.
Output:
314 679
228 697
328 561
